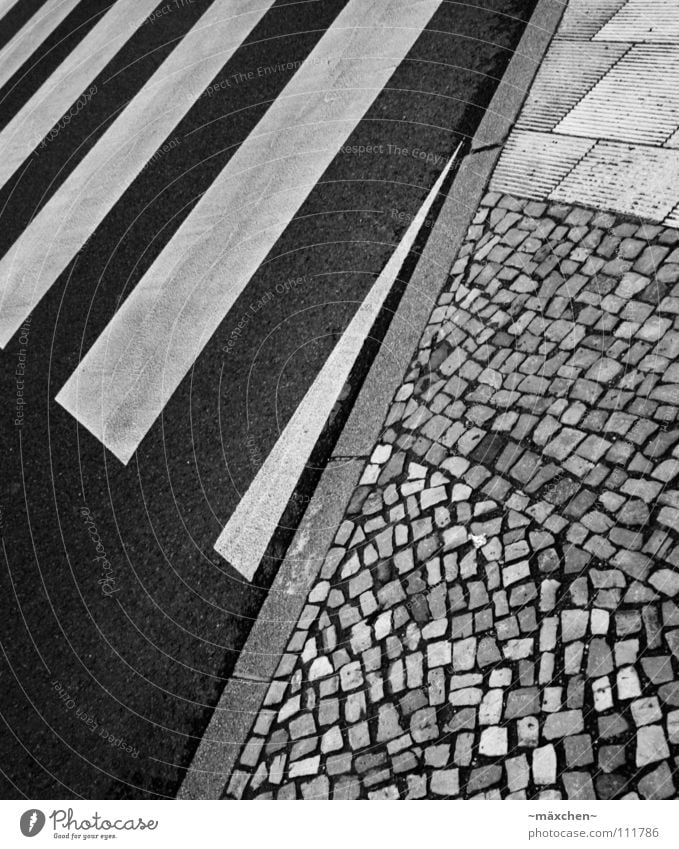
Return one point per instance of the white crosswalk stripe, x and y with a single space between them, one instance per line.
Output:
127 377
31 35
69 82
244 540
72 215
5 6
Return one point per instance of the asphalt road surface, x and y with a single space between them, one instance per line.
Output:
121 623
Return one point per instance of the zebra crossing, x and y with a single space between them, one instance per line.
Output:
72 78
20 48
72 215
126 378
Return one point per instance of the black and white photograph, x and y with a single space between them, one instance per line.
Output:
339 368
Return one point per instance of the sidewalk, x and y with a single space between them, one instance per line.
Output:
496 616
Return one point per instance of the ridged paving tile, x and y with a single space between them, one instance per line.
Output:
533 164
636 180
568 73
582 19
637 101
641 20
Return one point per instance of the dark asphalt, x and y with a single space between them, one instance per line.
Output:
146 663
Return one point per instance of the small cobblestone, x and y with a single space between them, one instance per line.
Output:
498 608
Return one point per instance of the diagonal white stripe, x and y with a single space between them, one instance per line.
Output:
127 377
5 6
72 215
31 36
252 525
69 81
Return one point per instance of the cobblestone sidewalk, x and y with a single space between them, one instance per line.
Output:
497 615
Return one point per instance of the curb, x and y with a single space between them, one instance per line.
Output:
242 697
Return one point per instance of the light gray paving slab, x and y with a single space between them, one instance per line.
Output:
533 164
584 18
570 70
642 181
641 20
637 101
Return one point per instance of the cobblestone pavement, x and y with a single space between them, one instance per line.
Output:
497 617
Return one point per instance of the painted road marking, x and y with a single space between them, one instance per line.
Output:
249 530
123 383
31 36
68 82
5 6
71 216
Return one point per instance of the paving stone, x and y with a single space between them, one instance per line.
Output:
573 624
651 745
482 777
527 730
611 786
423 725
658 669
657 784
493 741
602 694
389 725
604 370
578 750
564 724
646 711
628 683
665 581
599 659
439 653
578 785
445 782
612 725
673 727
544 765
